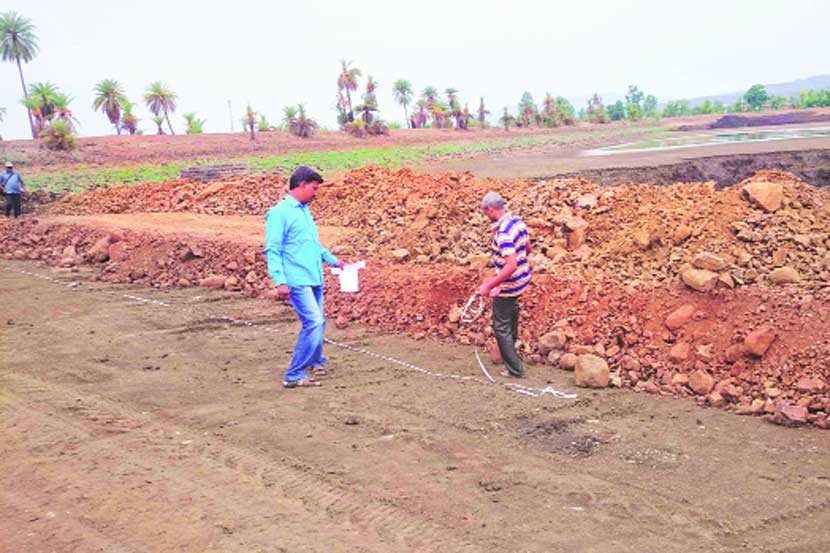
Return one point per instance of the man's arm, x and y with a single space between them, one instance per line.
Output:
274 236
510 265
329 257
22 186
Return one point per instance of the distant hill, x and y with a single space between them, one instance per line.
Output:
788 89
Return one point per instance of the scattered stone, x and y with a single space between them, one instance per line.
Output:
400 254
341 322
701 382
810 385
709 262
716 400
213 281
552 341
679 352
784 275
642 238
455 314
568 361
100 251
591 372
765 195
117 251
759 340
231 283
699 279
791 415
680 316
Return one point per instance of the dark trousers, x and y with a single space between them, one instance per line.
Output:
13 203
506 329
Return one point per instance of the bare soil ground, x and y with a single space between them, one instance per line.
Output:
131 426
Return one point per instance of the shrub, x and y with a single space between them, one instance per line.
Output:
58 136
356 129
377 127
394 125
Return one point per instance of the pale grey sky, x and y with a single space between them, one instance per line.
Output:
276 53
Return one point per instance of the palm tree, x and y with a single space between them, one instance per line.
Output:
158 120
161 100
420 116
347 81
506 119
483 112
302 125
430 94
194 125
439 112
366 110
18 43
62 111
289 114
402 90
109 95
129 122
41 104
371 87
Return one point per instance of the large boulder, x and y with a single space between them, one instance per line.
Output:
591 372
100 251
766 195
709 261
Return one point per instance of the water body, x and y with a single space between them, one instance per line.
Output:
696 140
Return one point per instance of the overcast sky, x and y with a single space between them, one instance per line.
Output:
278 53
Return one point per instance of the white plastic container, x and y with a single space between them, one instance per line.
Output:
349 281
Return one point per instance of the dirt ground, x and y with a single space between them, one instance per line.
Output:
133 426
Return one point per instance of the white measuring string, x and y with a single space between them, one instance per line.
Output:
518 388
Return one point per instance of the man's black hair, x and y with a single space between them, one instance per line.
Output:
303 174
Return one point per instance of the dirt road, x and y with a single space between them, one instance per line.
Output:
133 426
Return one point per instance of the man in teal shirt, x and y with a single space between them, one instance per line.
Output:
295 263
12 184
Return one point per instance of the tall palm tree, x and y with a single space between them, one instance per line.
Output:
41 103
18 43
161 100
420 116
109 96
371 87
347 81
289 114
402 90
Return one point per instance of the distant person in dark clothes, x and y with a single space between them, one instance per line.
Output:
511 246
12 184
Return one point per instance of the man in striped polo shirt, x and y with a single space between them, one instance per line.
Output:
511 246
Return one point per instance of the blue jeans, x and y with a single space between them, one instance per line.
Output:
308 303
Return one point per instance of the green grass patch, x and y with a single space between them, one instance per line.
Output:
325 162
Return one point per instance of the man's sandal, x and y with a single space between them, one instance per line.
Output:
302 383
319 371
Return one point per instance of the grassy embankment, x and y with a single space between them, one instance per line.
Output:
75 179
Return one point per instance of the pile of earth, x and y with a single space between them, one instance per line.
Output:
773 227
758 349
250 194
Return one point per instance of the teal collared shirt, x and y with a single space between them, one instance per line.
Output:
292 245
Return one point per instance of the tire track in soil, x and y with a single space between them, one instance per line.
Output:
292 477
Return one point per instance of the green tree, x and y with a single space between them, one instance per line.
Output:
109 96
616 111
302 125
159 121
41 103
527 109
289 115
650 107
756 97
430 96
18 43
595 112
506 119
634 96
778 102
161 100
676 108
402 90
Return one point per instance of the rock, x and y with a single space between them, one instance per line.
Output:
766 195
69 251
231 283
587 201
701 382
591 372
680 316
100 251
680 379
400 254
759 340
679 352
779 257
716 400
616 380
554 340
576 229
734 353
232 266
455 314
212 281
642 238
116 235
341 322
117 251
810 385
791 415
183 282
681 234
784 275
708 261
476 261
699 279
568 361
725 279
